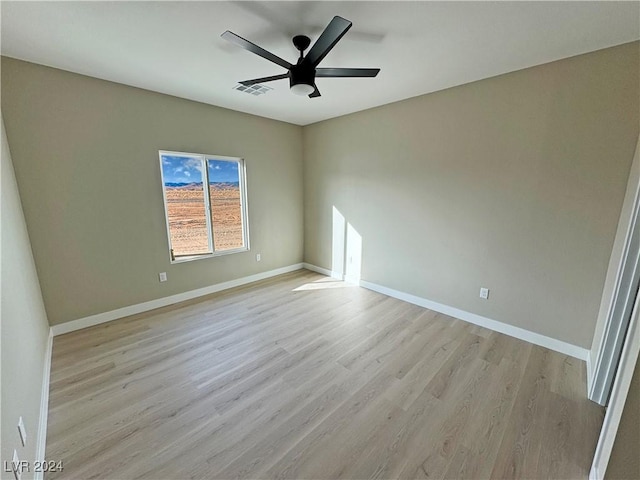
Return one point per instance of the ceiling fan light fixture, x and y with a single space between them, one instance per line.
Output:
302 89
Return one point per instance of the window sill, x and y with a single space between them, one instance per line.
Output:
191 258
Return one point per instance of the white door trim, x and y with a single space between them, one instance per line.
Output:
619 292
624 369
628 360
619 316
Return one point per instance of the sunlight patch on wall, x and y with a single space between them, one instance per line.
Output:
346 249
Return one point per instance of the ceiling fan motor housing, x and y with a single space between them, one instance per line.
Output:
302 74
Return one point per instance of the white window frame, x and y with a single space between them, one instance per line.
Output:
242 183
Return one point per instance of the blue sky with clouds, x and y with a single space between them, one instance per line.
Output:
221 171
181 169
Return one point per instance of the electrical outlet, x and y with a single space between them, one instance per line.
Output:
22 431
484 293
258 257
163 276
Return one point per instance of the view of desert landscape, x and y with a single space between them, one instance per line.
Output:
187 224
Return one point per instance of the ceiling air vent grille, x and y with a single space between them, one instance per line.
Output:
256 89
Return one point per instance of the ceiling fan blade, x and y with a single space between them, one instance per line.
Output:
328 39
248 83
347 72
252 47
315 93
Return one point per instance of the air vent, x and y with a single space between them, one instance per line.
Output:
256 89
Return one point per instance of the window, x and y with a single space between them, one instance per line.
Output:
205 204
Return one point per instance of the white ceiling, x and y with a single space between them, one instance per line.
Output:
421 47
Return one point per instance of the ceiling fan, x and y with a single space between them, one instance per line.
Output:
302 75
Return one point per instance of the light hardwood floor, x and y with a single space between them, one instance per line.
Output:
301 376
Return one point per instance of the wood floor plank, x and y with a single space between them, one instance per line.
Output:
482 439
455 369
247 424
520 447
302 376
402 448
270 445
448 434
435 355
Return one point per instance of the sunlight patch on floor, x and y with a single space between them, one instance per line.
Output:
324 284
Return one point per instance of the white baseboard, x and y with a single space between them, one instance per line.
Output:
333 274
594 474
513 331
44 406
517 332
323 271
99 318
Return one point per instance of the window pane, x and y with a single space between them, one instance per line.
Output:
226 207
186 212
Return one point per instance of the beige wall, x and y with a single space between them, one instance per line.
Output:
24 328
514 183
624 463
86 159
